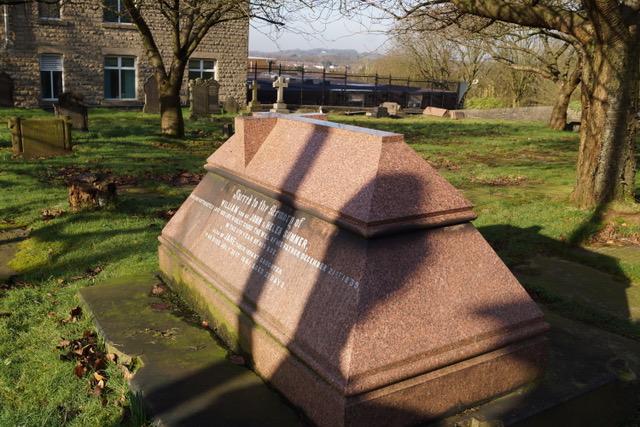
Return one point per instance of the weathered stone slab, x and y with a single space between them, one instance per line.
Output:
435 111
456 114
71 104
348 269
6 90
231 106
393 108
151 97
186 378
33 138
204 97
378 112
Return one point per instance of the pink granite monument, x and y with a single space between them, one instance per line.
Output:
347 269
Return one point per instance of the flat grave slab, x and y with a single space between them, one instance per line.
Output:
186 378
435 111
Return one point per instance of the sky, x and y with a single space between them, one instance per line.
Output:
363 34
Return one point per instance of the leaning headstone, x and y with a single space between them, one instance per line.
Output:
393 108
71 104
435 111
280 107
151 96
6 90
34 138
231 106
350 272
378 112
204 99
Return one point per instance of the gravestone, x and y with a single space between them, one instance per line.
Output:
231 106
280 107
204 99
253 105
378 112
151 97
393 108
350 272
6 90
214 96
435 111
34 138
456 114
71 104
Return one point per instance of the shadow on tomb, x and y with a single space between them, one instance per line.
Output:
347 270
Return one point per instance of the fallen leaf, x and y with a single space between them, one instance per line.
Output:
80 370
48 214
158 289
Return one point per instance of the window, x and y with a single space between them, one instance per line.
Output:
51 76
114 11
120 77
201 68
49 10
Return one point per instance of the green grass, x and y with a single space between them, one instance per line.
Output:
519 176
36 388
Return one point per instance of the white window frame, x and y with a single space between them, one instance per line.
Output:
201 68
61 70
119 68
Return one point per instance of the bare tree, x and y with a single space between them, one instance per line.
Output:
188 21
442 55
607 34
540 53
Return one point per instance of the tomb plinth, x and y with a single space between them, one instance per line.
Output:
348 270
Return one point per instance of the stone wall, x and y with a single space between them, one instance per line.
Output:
536 114
83 39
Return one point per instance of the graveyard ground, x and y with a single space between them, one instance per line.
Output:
581 264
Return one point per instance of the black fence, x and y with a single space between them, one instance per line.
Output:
322 87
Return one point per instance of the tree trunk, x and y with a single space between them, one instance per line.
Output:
171 120
558 119
606 163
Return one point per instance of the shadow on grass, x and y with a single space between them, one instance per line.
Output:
568 278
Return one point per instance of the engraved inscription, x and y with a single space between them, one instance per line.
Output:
259 232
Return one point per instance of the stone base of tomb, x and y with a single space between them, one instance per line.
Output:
431 395
279 107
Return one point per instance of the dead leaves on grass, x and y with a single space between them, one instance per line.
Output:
89 359
49 214
74 315
501 181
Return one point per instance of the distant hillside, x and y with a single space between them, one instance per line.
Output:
333 56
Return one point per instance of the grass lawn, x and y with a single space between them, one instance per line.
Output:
519 176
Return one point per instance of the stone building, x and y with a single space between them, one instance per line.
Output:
48 49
